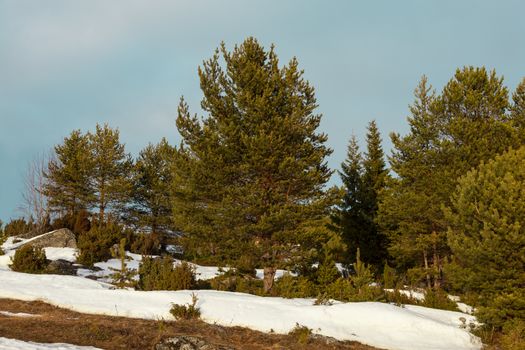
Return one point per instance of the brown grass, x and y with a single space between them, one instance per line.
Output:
56 325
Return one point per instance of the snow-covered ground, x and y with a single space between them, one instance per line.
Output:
377 324
13 344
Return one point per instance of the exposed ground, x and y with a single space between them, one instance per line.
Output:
56 325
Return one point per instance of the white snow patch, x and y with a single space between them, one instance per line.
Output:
377 324
17 314
13 344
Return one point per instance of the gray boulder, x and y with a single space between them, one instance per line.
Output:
185 342
62 238
61 267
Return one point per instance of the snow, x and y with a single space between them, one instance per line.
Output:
13 344
376 324
417 295
17 314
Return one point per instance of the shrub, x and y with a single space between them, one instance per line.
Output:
95 245
161 274
123 277
146 244
17 227
234 281
513 337
301 333
186 312
289 286
503 309
438 299
29 259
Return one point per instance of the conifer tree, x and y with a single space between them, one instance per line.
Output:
449 135
250 176
67 179
111 166
487 236
350 217
150 210
362 180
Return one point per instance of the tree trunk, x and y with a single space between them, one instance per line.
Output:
269 274
429 285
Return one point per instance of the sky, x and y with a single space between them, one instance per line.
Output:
67 65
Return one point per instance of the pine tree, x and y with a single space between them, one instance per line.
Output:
517 110
67 179
449 135
250 176
111 167
150 210
487 236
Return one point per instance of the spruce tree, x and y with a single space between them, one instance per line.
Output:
67 179
350 218
373 249
250 176
363 179
111 166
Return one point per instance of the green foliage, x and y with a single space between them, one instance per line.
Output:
236 281
3 237
327 273
438 299
187 312
123 277
468 123
18 227
301 333
79 222
389 277
161 274
67 186
95 245
29 259
88 171
146 244
150 209
252 173
503 308
487 236
289 286
513 337
363 179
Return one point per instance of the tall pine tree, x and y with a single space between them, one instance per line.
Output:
250 176
111 167
67 179
449 135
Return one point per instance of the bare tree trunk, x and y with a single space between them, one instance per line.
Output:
437 269
429 285
269 275
34 201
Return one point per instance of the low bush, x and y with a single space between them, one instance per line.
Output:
438 299
161 274
29 259
146 244
513 337
234 281
95 245
301 333
289 286
186 312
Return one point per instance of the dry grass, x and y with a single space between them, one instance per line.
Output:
106 332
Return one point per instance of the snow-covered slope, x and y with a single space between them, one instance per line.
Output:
377 324
13 344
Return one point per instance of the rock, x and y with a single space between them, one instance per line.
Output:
185 342
61 267
62 238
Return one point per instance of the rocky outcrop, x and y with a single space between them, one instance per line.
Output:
61 267
184 342
59 238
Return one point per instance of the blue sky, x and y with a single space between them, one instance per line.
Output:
67 65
